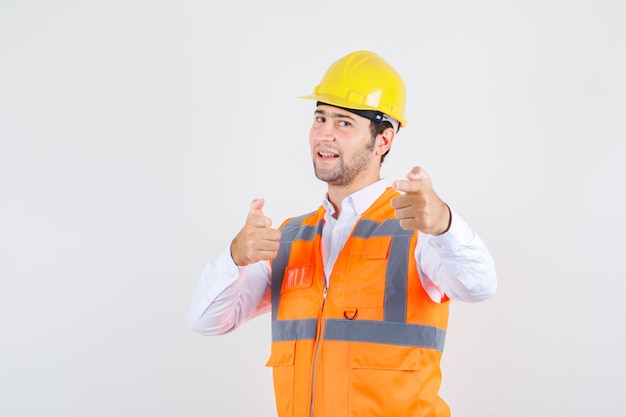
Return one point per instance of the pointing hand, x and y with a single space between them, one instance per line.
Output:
419 207
257 241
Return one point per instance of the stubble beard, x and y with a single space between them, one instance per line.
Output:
345 172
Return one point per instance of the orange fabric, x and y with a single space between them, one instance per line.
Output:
341 378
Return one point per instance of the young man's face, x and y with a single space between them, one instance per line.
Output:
342 147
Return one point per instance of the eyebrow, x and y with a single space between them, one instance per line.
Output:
335 115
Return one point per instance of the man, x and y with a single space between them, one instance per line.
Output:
359 289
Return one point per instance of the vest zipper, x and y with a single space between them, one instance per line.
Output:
317 347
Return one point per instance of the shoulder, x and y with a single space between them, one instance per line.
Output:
296 221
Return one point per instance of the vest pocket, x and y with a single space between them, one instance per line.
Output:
282 361
297 277
384 380
365 288
377 247
378 356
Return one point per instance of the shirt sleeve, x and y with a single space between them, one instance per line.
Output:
228 295
456 264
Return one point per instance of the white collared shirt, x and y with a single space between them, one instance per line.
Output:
336 231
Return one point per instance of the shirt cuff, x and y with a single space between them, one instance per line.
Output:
458 234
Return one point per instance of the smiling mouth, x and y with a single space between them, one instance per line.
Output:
327 155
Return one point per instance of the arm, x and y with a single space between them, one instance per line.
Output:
456 264
227 295
452 260
236 287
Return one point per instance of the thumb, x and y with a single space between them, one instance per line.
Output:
416 179
256 207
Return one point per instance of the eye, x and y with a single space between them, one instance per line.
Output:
344 123
320 119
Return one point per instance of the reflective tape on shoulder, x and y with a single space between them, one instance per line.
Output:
369 228
294 230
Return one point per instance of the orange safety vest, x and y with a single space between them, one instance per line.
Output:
368 345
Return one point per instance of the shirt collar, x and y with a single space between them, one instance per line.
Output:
359 201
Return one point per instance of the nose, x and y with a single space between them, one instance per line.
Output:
324 133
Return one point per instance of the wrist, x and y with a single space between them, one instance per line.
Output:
446 221
234 254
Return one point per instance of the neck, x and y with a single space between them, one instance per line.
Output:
337 193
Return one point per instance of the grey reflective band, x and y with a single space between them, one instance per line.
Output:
303 329
401 334
396 285
396 280
369 228
290 232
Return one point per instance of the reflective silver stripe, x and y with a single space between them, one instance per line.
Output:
303 329
391 227
290 232
401 334
396 280
293 231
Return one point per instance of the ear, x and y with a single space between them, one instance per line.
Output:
384 141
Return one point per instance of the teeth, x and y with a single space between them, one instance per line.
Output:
327 154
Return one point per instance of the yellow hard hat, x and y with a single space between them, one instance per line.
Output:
362 80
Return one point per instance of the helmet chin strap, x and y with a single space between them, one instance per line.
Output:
373 115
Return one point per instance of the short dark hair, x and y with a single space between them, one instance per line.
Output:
376 128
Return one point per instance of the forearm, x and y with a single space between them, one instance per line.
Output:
456 264
227 296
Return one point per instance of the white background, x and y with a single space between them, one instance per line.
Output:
133 135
